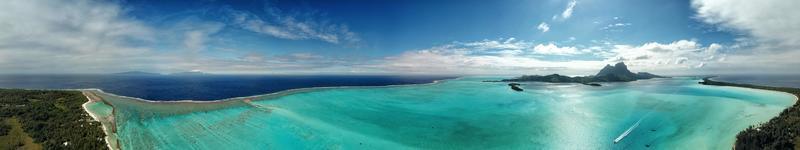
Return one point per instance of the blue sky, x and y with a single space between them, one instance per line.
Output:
388 28
397 37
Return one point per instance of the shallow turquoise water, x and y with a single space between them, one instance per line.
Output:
465 114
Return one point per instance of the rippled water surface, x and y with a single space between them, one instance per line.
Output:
461 113
201 87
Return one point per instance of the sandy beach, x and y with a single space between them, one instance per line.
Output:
108 129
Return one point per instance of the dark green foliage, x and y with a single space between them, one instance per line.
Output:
555 78
616 73
620 70
4 128
781 132
515 86
53 117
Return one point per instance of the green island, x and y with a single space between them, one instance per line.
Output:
617 73
47 119
781 132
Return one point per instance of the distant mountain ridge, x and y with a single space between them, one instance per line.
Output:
620 72
189 73
143 73
136 73
617 73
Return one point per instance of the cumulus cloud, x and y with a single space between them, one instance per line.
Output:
770 29
552 49
511 56
65 36
678 55
544 27
450 61
768 20
502 56
292 27
97 36
86 36
503 44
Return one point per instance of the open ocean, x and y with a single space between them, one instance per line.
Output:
768 80
463 114
201 87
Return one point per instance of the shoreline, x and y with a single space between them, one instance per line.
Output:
89 93
266 95
109 133
741 85
269 96
753 136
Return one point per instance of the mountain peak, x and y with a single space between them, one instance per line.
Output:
618 69
621 64
619 72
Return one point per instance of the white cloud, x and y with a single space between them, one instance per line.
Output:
770 29
507 44
195 39
566 14
552 49
96 36
674 58
768 20
568 11
502 56
68 36
87 36
543 27
295 28
679 55
448 61
615 26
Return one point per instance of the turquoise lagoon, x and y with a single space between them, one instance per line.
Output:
463 113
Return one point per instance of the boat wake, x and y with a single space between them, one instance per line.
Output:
624 134
630 129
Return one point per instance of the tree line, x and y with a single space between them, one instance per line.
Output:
52 118
781 132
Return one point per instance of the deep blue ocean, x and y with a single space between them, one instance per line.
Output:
202 87
768 80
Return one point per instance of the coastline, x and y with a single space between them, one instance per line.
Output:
738 85
110 134
753 137
266 96
109 126
750 86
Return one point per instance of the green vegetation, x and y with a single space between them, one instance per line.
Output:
616 73
16 138
49 119
781 132
4 128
